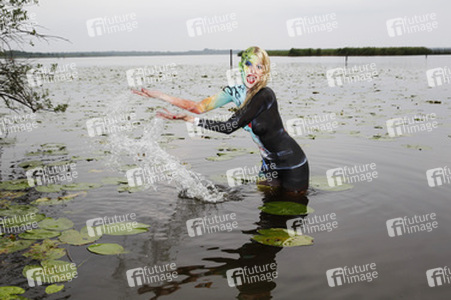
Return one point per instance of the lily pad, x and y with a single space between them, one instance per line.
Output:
51 188
51 271
114 180
321 183
58 200
416 147
11 195
131 189
281 238
11 292
122 228
81 186
76 238
283 208
30 164
18 210
227 153
47 250
9 246
39 234
106 249
22 223
54 288
14 185
59 224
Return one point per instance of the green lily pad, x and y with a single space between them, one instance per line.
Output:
76 238
10 292
122 228
227 153
281 238
81 186
14 185
320 183
106 249
283 208
126 188
58 200
114 180
11 195
51 188
18 210
417 147
54 288
39 234
30 164
47 250
51 271
22 223
9 246
59 225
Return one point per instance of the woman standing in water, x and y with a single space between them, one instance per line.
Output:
284 162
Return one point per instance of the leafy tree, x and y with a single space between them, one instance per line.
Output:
16 29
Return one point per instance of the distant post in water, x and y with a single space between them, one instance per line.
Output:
231 60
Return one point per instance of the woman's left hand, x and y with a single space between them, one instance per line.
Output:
170 116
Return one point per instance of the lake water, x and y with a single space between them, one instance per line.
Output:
364 213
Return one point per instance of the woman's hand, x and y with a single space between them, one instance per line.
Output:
170 116
151 94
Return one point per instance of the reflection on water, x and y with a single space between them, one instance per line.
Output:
254 270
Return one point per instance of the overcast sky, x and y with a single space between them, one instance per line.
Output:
168 25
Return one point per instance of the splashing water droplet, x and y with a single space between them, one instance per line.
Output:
164 167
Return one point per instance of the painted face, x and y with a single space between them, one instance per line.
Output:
252 69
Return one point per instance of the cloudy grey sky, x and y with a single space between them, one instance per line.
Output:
161 25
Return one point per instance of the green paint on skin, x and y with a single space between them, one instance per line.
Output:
248 55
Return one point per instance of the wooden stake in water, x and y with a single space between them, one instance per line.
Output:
231 59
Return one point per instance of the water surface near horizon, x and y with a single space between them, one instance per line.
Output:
362 108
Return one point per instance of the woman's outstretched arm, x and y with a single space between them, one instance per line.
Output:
207 104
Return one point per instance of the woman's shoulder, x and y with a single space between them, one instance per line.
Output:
266 92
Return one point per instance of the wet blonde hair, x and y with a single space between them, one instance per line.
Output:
263 57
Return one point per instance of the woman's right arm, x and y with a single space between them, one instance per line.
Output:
207 104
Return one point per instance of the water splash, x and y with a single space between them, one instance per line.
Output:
146 153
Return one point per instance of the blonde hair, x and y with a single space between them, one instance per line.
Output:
264 59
